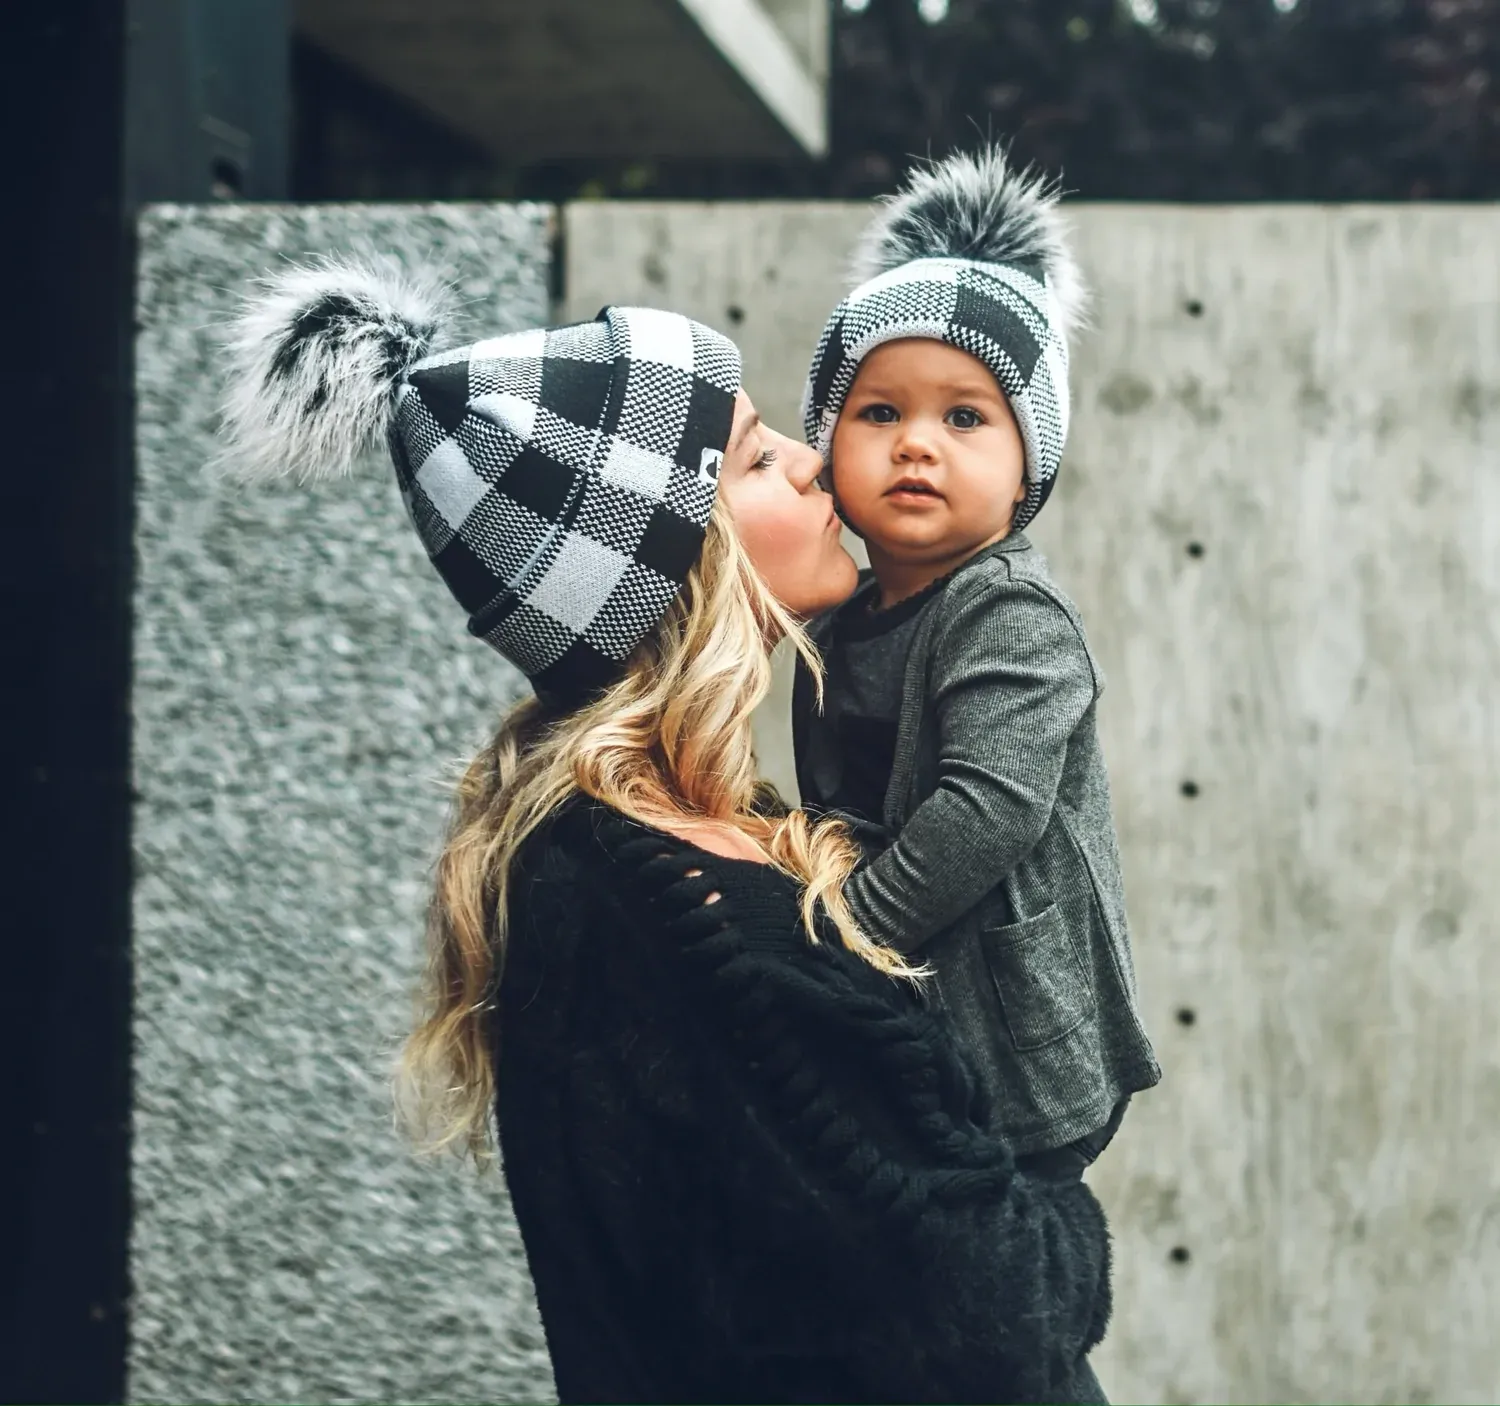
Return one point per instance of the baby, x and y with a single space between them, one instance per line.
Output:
958 717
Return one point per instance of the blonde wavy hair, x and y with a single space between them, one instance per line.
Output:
669 743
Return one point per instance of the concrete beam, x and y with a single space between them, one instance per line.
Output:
808 27
568 79
761 53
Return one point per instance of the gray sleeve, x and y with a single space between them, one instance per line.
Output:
1010 680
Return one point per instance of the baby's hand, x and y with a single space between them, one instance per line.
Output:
873 839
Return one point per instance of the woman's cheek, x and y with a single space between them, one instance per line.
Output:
770 534
789 537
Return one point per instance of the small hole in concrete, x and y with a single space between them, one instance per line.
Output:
1179 1254
736 313
1190 789
1195 549
1186 1015
1193 308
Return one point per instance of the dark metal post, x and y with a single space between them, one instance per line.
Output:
208 83
122 101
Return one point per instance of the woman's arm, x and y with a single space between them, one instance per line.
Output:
870 1214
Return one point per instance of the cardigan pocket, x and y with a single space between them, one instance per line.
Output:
1044 992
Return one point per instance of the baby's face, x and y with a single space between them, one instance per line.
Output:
927 462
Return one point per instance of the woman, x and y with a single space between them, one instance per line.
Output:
745 1157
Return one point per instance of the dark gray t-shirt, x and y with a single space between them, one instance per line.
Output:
853 742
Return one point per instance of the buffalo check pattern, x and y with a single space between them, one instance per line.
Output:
561 480
1004 314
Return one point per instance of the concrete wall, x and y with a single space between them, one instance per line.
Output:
302 680
1280 515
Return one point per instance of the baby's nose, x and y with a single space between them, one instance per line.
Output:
913 445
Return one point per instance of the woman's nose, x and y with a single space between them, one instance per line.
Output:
804 466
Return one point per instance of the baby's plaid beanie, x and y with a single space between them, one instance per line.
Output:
973 253
560 479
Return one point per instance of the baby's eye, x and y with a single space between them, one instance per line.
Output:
961 417
879 414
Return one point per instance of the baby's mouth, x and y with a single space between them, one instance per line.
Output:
913 487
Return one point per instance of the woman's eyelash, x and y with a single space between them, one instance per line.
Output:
764 459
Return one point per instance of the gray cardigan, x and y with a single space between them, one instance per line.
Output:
1004 874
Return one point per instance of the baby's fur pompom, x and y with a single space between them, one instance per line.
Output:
976 205
315 356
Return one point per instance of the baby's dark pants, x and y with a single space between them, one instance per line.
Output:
1070 1161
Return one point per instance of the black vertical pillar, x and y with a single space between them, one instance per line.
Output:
120 101
65 607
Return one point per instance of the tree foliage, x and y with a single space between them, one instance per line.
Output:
1181 99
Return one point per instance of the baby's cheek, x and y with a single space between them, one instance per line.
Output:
849 478
852 503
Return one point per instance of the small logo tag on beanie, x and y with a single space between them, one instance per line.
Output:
710 464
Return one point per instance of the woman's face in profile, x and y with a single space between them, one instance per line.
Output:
784 518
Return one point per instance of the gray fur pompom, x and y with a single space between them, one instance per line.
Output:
976 205
315 356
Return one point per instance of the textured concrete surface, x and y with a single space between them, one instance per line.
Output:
1280 516
302 680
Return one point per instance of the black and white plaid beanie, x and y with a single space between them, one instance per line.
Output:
973 253
561 479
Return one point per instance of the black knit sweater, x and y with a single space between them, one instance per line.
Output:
751 1168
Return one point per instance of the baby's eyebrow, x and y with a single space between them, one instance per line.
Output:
957 388
969 387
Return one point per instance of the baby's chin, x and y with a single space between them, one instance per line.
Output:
914 542
913 549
